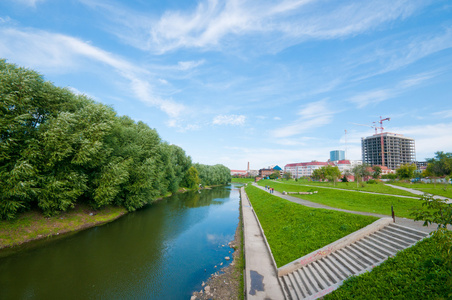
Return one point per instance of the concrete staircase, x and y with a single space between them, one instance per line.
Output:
323 274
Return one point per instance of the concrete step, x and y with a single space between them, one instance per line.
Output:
322 276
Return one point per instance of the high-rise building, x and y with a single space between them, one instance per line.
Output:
397 150
337 155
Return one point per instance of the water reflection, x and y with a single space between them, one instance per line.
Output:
161 252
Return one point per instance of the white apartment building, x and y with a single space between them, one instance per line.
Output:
305 169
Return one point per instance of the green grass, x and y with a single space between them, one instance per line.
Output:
34 225
379 204
242 180
293 230
362 186
423 271
440 189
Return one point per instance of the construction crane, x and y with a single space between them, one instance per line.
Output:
376 127
381 138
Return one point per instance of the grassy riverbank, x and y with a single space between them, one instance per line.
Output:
33 225
293 230
373 203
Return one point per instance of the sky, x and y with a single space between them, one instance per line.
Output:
266 82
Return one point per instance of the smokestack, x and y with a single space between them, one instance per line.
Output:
248 167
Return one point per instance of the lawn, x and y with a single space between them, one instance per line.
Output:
242 180
362 186
379 204
439 189
423 271
293 230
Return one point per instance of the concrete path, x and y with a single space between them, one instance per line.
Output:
417 192
365 192
261 279
418 225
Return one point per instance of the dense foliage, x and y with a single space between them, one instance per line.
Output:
213 175
58 148
440 165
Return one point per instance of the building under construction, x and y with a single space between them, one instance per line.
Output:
398 150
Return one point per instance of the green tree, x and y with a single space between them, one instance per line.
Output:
376 172
318 174
332 173
406 171
360 172
287 175
27 104
275 175
191 179
440 165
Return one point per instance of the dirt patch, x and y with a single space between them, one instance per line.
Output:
228 282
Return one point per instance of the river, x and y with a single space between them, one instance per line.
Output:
164 251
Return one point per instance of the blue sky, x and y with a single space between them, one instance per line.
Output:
265 82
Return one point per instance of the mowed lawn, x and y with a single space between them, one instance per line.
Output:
293 230
350 200
439 189
361 186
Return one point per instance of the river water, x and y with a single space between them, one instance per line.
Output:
164 251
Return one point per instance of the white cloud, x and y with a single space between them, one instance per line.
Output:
31 3
429 138
371 97
234 120
187 65
211 23
376 96
444 114
312 115
60 53
5 20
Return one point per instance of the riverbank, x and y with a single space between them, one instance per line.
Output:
33 225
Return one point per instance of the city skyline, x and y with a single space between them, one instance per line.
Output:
232 82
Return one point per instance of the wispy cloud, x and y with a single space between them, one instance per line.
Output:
374 97
60 52
31 3
312 115
429 138
398 51
211 23
234 120
444 114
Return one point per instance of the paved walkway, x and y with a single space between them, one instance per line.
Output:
417 192
261 279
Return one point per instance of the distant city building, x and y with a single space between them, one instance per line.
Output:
305 169
397 149
337 155
241 173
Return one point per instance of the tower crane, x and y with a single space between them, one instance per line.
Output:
381 139
376 127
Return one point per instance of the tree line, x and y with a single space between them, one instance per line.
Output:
58 148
